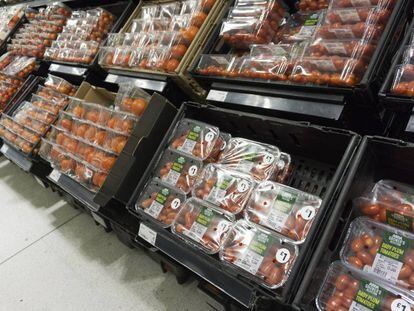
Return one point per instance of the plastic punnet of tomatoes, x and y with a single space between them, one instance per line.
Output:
371 15
195 138
389 202
229 190
299 27
202 225
131 99
349 289
60 85
20 67
161 201
52 94
266 256
381 250
27 109
37 126
347 48
214 64
47 104
17 135
178 170
219 147
5 60
256 159
354 31
361 3
283 209
284 168
312 5
403 83
330 70
271 68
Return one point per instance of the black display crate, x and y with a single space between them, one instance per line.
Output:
348 107
377 158
120 9
320 156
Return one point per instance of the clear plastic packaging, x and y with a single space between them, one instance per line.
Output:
202 225
403 83
355 31
380 250
283 209
161 201
369 15
214 64
299 27
362 3
250 157
178 170
60 85
51 94
313 5
50 106
331 70
131 99
229 190
20 67
27 109
388 202
348 289
195 138
265 256
353 48
16 140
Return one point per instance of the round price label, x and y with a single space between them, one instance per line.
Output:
223 145
307 212
268 158
400 305
209 137
242 186
282 255
192 170
175 203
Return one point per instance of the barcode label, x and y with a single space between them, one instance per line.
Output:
275 220
147 234
216 195
358 307
386 267
154 209
197 231
172 177
249 261
55 175
188 146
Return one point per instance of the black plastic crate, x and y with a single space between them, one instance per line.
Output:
120 9
377 158
320 157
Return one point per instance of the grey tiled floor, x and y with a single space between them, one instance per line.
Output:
54 258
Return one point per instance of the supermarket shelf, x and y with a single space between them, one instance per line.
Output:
75 189
16 157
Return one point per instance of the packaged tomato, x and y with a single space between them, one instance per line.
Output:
20 67
349 289
52 94
250 157
202 225
178 170
284 169
161 201
27 109
214 64
131 99
195 138
283 209
380 250
60 85
355 31
367 14
389 202
299 27
50 106
36 126
266 256
229 190
353 48
312 5
219 147
403 83
362 3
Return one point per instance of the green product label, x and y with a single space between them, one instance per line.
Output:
408 198
312 20
285 201
394 246
398 220
224 184
194 133
162 196
250 156
260 243
370 295
178 164
205 217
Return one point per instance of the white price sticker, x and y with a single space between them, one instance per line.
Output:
307 212
192 171
282 255
147 234
4 148
209 137
215 95
400 305
242 186
175 203
55 175
268 158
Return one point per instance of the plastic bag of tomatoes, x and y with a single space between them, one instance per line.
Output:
214 65
283 209
20 67
264 255
49 105
256 159
348 289
27 109
389 202
60 85
362 3
131 99
195 138
381 250
346 48
403 83
52 94
229 190
202 225
178 170
372 15
161 201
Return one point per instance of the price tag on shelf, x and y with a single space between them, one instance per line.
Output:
99 220
219 96
55 175
76 71
147 234
4 148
